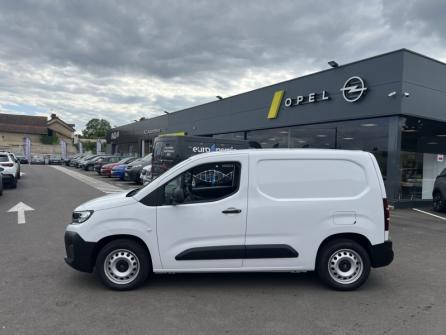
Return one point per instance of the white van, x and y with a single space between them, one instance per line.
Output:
247 210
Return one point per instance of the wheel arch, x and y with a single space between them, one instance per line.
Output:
361 239
105 240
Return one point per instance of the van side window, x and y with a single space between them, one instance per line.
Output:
204 183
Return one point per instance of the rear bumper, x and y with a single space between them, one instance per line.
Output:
80 254
381 254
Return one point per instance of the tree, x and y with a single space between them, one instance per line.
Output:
96 128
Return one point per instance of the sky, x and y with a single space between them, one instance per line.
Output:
123 60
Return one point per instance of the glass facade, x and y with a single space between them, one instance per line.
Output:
367 134
410 151
423 144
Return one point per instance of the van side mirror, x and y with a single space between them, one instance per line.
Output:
2 169
178 195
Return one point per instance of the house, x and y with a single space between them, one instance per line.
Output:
45 136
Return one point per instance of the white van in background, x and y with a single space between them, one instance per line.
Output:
247 210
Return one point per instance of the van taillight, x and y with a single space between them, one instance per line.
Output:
7 164
386 215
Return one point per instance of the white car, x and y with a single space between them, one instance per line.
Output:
248 210
11 172
146 174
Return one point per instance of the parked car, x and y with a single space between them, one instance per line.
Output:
19 166
85 161
37 159
146 174
11 169
1 180
68 159
106 170
55 160
105 160
118 171
75 161
22 159
439 192
89 164
250 210
133 170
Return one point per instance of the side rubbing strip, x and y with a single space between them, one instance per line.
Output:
275 105
238 252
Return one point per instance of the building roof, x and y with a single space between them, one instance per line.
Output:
23 124
55 119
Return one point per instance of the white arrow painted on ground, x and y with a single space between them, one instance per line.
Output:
21 208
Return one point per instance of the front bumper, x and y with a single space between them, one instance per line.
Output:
80 254
132 175
381 254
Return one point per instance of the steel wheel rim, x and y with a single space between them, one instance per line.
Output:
121 266
345 266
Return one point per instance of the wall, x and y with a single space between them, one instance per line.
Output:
14 142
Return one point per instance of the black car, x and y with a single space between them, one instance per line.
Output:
22 159
439 192
133 170
55 160
88 165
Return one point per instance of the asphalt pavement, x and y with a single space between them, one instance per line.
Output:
40 294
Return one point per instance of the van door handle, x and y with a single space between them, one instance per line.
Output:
232 210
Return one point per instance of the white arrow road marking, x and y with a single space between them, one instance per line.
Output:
22 173
21 208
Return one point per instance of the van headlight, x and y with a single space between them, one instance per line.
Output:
81 216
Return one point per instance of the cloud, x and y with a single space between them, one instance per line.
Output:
124 60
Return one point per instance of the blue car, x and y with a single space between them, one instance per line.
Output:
119 171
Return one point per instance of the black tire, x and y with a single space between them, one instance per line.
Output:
343 264
438 202
122 248
14 183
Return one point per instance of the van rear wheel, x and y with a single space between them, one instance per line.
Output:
343 264
123 265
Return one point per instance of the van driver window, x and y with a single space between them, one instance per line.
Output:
207 182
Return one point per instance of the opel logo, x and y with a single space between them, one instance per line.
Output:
353 89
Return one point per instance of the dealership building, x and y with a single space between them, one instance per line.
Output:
392 105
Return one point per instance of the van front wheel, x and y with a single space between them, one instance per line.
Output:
123 265
343 264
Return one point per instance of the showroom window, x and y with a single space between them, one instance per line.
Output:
423 144
270 138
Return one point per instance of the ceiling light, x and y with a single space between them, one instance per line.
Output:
321 135
432 142
284 132
391 94
410 131
441 135
348 138
368 125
